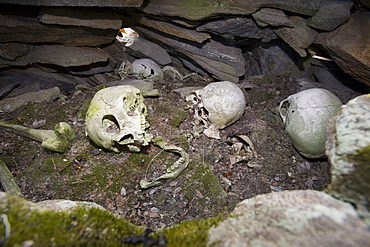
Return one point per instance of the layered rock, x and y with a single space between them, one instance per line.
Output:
224 62
349 47
223 40
80 3
204 9
31 31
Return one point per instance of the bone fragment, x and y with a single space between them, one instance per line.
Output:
174 170
7 181
58 140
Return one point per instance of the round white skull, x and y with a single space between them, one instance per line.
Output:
116 119
306 115
218 105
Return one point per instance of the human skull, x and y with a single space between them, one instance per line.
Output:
143 69
306 115
116 118
218 105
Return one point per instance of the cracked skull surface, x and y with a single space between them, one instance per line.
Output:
218 105
116 119
305 115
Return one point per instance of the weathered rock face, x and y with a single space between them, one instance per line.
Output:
349 47
331 14
227 40
63 56
198 10
224 62
291 218
31 31
91 17
348 149
82 3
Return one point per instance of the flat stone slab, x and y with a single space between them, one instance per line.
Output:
64 56
99 18
82 3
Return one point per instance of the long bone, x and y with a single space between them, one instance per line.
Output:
58 140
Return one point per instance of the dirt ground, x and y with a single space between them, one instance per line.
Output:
211 184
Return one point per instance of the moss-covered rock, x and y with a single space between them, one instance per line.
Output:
69 223
348 149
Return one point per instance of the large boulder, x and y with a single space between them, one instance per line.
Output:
291 218
349 47
348 150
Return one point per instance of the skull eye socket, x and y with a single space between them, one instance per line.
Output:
110 124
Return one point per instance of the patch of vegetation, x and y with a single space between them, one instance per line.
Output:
191 233
78 227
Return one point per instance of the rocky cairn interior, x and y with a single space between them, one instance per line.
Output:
55 55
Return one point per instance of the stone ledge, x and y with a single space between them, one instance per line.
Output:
81 3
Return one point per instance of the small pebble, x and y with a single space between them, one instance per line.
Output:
173 183
123 191
154 210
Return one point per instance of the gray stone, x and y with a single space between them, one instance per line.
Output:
30 31
35 79
10 51
224 62
291 218
198 10
272 17
366 3
348 150
64 56
274 60
82 3
142 48
348 46
11 104
331 14
299 37
146 87
86 17
239 26
338 82
175 30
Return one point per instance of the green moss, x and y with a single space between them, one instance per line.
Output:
83 109
178 116
362 156
191 233
205 181
90 227
78 227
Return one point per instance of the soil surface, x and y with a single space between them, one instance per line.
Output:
213 182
